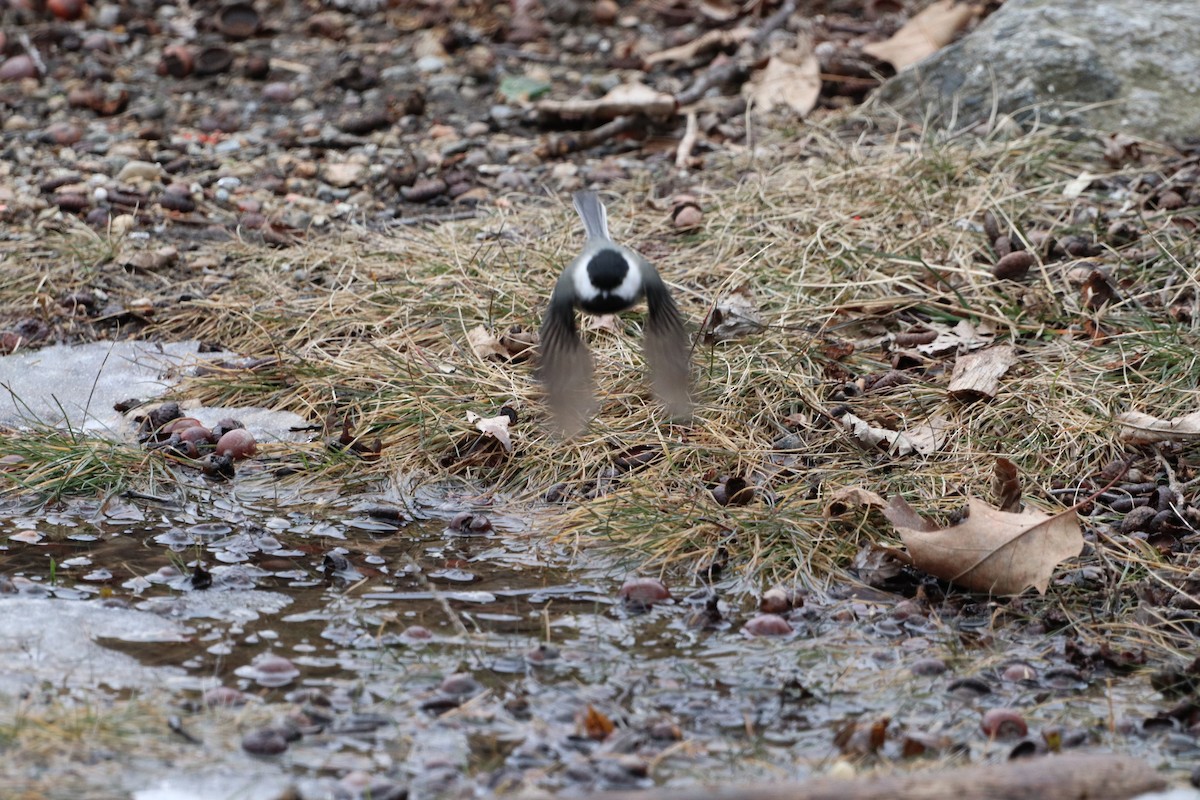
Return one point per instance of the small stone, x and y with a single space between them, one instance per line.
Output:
928 666
269 670
767 625
238 443
431 63
1019 671
460 684
264 742
605 12
1003 723
344 174
643 592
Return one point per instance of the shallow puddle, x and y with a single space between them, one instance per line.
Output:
352 646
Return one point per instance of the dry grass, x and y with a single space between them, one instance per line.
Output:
839 241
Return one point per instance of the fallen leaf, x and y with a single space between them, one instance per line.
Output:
496 427
1097 290
1121 149
875 565
962 338
846 497
924 34
791 78
484 344
927 437
1139 428
902 515
1006 486
610 323
897 443
991 551
518 342
734 316
862 738
596 725
1078 185
977 375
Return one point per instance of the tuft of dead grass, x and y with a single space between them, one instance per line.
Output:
842 241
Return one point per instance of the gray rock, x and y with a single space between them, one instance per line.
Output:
1121 65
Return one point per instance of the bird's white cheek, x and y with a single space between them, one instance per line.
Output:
632 285
584 290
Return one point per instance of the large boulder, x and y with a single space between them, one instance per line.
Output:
1115 65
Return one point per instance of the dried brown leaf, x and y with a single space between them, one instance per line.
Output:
1139 428
977 375
1006 486
924 34
927 437
596 724
610 323
846 497
484 344
894 442
962 338
734 316
902 515
991 550
496 427
791 78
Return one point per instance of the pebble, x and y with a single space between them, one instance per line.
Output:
643 592
265 742
430 63
767 625
1003 723
269 670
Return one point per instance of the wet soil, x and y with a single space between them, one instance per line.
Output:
447 664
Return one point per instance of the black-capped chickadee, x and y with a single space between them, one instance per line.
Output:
604 279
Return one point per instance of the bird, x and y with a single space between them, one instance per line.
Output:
603 279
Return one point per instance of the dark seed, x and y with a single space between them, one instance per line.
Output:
1013 266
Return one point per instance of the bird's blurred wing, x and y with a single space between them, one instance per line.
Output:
668 350
566 365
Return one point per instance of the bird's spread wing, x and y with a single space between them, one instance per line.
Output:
566 365
668 351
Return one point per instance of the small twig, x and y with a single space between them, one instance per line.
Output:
716 75
422 219
525 55
688 142
574 142
32 52
773 22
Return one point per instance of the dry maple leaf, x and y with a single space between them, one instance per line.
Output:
990 551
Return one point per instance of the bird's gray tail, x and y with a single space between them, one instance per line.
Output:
591 211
